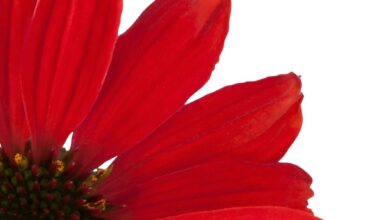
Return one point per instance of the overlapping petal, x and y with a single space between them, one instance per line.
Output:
166 56
65 59
15 17
254 121
218 184
251 213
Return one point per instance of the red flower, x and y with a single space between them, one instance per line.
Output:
215 158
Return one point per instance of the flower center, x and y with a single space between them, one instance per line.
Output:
30 191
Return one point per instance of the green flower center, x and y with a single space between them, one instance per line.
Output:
30 191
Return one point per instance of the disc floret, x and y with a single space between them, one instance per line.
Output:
47 191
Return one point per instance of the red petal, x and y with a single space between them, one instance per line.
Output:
158 64
255 120
215 185
15 17
67 54
250 213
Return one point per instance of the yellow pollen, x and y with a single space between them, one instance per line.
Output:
94 179
21 160
98 205
60 167
97 177
90 181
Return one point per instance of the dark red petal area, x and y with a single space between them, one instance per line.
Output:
219 184
15 16
158 64
251 213
255 121
66 57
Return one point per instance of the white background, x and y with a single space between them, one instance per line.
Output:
342 50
